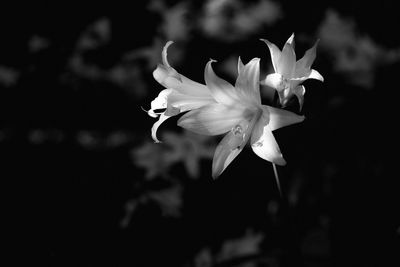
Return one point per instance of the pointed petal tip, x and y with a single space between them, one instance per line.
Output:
314 74
291 40
169 43
265 41
256 59
165 53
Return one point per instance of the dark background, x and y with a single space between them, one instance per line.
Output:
73 80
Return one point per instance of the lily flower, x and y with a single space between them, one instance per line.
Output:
289 73
237 112
181 94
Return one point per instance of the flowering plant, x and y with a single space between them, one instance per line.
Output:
217 107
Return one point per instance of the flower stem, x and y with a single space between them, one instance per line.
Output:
277 179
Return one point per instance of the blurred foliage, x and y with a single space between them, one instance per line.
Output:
88 187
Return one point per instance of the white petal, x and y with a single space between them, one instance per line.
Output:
188 102
304 64
232 144
222 91
316 75
240 66
213 119
170 78
299 92
287 61
277 118
166 76
226 151
160 102
248 82
291 40
275 80
264 144
275 53
165 53
157 124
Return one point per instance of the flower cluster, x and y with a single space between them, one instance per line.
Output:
217 107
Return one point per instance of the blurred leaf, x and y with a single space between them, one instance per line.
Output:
233 20
355 55
8 76
189 148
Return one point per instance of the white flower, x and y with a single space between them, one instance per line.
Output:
238 112
181 94
289 74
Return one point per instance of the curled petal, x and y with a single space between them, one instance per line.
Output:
248 82
160 102
221 90
310 74
213 119
164 53
157 124
264 144
170 78
277 118
167 76
315 75
287 62
275 53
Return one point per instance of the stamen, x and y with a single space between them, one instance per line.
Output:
237 130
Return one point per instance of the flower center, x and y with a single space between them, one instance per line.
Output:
237 130
283 84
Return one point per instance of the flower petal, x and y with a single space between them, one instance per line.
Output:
226 151
232 144
277 118
157 124
291 40
248 82
299 92
264 144
160 102
222 91
164 53
287 62
188 102
240 66
303 65
170 78
275 53
275 80
213 119
316 75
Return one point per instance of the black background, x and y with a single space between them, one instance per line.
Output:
64 202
